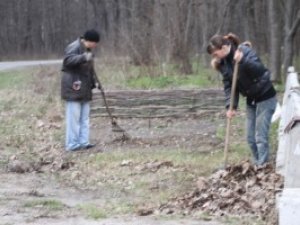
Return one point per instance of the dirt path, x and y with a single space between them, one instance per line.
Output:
22 198
133 171
40 198
126 221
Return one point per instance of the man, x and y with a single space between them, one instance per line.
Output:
76 89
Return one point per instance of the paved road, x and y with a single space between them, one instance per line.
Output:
20 64
120 221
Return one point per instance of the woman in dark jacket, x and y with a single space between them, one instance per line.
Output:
76 89
253 82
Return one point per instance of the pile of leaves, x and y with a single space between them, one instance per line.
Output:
242 189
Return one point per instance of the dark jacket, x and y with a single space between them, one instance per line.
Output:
76 68
253 77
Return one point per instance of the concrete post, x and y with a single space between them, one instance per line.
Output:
288 155
289 207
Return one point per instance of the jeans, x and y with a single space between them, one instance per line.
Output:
258 125
77 124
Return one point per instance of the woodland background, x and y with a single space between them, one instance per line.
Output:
151 32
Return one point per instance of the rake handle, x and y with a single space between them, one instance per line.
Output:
106 105
113 122
232 94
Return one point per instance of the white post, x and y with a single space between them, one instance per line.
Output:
288 154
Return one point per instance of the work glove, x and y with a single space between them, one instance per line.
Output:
88 56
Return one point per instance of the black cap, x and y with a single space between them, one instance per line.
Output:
91 35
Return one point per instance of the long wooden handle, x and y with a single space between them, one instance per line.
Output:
232 95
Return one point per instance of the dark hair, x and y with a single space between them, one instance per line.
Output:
91 35
217 41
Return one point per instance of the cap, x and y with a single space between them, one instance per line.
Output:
91 35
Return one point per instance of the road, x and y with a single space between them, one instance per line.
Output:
19 64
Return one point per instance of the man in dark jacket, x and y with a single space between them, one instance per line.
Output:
76 89
253 82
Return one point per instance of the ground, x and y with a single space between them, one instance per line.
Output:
117 182
40 195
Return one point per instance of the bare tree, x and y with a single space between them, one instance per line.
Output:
291 23
275 39
180 23
151 32
141 31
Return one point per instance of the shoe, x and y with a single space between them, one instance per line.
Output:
89 146
74 149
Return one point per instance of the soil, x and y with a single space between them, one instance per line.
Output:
18 189
187 133
24 182
41 183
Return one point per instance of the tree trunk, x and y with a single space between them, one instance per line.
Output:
292 21
142 26
275 40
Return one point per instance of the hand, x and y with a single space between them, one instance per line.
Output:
88 56
215 63
230 113
238 55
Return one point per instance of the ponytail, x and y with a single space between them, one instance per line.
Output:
233 39
217 41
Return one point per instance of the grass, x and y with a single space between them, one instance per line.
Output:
111 208
133 186
125 76
13 79
31 100
49 204
197 80
230 220
179 157
24 102
94 212
190 81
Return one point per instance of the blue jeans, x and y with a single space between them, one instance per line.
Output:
77 124
258 125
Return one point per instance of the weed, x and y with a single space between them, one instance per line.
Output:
156 77
203 216
50 204
146 82
234 220
93 211
129 185
274 137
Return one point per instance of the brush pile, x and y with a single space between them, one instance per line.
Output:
241 189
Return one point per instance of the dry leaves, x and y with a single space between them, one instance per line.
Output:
238 190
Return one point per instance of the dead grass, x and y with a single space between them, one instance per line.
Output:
49 204
32 128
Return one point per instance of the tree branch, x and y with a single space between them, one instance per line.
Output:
224 16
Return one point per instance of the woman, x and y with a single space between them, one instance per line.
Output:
253 82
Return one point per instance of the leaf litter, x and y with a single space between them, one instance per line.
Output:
241 189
